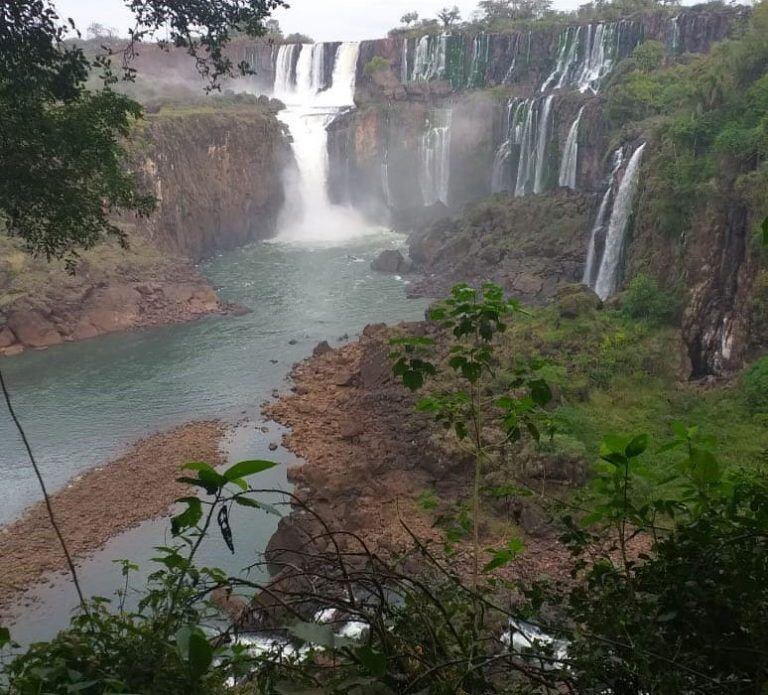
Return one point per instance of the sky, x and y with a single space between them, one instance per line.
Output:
323 20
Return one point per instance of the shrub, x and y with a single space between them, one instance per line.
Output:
644 300
374 65
755 384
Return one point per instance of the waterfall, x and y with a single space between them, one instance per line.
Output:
542 146
430 59
479 62
499 175
673 35
608 275
435 159
404 76
586 54
310 107
531 130
599 226
285 77
569 165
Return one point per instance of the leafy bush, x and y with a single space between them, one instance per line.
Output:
755 384
644 300
374 65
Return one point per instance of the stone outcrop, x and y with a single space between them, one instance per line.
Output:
217 177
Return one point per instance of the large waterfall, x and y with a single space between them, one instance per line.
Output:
570 162
311 103
608 275
435 158
521 163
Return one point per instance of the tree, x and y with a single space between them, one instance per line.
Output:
410 18
99 31
297 37
493 10
449 17
62 159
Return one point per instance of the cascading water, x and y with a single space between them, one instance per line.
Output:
308 213
673 35
570 162
590 268
530 131
430 58
435 159
608 275
542 146
586 54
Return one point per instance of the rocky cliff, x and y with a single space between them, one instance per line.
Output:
216 174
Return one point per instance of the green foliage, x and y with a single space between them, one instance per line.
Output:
644 300
375 65
62 162
161 647
756 386
658 621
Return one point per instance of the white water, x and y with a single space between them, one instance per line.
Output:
570 162
608 275
542 146
531 130
429 61
435 159
308 214
602 217
586 54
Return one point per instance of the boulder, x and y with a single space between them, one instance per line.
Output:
322 348
576 300
33 329
392 261
113 308
7 338
12 351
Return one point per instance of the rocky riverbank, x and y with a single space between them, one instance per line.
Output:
102 503
371 459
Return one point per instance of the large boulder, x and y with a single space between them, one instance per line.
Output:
7 338
576 300
114 308
392 261
33 329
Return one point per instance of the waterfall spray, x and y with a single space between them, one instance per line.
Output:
308 213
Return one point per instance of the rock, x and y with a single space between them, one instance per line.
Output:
113 308
293 341
31 328
344 379
13 350
351 428
240 310
392 261
528 284
273 447
576 300
7 338
322 348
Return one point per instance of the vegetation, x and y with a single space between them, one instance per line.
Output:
61 146
375 65
756 386
669 552
644 300
710 121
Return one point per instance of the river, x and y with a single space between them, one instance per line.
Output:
82 404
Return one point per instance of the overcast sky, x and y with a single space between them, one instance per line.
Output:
324 20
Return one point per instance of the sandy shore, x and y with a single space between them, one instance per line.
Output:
102 503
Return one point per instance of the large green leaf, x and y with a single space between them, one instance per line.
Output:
246 468
194 649
189 517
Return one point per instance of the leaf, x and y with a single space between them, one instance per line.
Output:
706 468
765 231
194 649
255 504
413 380
637 446
225 528
247 468
374 662
189 517
5 637
540 392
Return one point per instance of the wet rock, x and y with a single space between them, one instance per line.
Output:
12 351
273 447
33 329
392 261
7 338
293 341
322 348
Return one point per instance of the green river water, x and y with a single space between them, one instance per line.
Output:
82 404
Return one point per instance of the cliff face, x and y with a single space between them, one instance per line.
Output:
217 179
